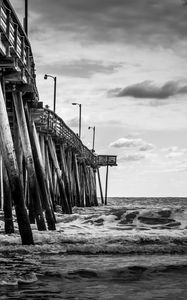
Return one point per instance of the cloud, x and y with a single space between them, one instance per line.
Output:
82 68
174 152
126 142
147 89
131 157
146 147
134 21
131 143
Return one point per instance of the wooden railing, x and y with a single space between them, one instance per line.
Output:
14 44
48 122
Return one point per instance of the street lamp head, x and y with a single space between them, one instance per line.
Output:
45 76
89 127
74 103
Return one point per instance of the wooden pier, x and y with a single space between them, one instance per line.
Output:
43 163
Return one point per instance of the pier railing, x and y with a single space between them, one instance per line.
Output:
48 122
15 48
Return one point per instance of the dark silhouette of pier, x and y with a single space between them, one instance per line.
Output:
43 163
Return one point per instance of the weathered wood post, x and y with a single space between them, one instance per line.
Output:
42 181
69 168
35 200
87 186
77 180
40 173
82 185
8 217
65 174
66 206
100 186
94 187
49 175
106 185
1 183
9 158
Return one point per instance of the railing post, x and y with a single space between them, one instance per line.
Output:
27 50
22 48
15 36
8 22
48 116
8 30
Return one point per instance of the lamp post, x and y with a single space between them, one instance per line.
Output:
54 78
93 137
80 112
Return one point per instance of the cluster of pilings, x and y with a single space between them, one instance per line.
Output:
37 171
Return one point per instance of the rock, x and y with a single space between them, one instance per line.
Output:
88 222
118 212
123 221
155 221
132 215
99 221
129 217
156 217
173 224
165 213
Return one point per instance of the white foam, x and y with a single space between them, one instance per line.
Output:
98 229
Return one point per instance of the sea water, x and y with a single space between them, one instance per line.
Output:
133 248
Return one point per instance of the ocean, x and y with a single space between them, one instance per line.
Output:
133 248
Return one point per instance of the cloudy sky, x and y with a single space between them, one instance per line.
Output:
125 61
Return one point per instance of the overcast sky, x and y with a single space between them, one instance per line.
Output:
125 61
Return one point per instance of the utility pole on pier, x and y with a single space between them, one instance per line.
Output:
26 17
93 143
54 78
80 116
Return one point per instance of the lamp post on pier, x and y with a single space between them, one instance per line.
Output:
93 150
54 78
26 17
80 112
